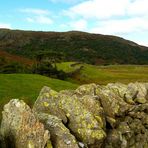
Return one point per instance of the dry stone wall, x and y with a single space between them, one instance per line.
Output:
92 116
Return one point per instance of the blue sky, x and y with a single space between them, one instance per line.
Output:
124 18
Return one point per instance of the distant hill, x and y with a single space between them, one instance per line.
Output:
75 46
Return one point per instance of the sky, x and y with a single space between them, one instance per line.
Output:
124 18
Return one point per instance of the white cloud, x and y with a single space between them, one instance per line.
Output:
99 9
35 11
39 16
103 9
138 7
4 25
121 26
40 20
78 25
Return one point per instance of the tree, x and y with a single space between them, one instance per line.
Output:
46 65
51 57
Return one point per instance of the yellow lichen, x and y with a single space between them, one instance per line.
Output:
30 144
46 104
49 145
47 95
98 118
68 115
53 93
79 131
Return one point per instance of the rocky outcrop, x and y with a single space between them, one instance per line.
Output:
93 116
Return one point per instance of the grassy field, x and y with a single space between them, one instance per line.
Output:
27 87
106 74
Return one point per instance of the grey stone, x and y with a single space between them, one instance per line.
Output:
20 128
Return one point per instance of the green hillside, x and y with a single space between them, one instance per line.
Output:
74 46
106 74
27 86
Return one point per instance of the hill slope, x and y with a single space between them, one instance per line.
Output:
75 46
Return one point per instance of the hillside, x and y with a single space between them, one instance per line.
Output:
75 46
105 74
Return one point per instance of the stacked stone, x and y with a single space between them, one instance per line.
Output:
93 116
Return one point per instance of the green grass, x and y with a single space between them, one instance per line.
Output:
107 74
27 87
66 66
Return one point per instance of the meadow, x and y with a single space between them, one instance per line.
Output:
106 74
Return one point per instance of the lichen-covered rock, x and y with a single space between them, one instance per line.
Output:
87 96
132 130
113 105
92 104
80 121
50 106
131 93
118 88
128 120
20 128
88 89
68 92
138 91
60 135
